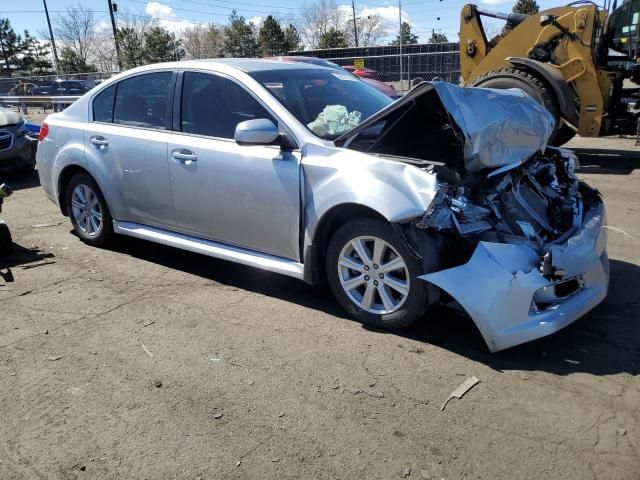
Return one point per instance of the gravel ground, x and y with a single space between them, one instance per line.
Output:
145 362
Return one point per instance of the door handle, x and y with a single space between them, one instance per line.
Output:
184 157
99 141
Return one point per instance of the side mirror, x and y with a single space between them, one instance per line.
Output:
256 132
547 20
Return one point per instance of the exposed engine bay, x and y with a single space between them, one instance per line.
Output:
519 239
534 204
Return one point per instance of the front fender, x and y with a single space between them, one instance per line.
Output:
397 191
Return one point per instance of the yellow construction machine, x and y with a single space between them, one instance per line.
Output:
580 61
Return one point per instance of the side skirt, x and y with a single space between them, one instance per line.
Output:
211 249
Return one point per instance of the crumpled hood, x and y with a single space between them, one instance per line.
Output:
500 127
494 127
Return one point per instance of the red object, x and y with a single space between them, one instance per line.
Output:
363 72
44 131
368 76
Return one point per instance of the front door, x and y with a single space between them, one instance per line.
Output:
243 196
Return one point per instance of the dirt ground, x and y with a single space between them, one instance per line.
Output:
142 361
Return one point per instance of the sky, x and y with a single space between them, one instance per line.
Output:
423 15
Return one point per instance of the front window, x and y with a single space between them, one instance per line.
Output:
327 102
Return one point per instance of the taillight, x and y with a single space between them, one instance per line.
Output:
44 131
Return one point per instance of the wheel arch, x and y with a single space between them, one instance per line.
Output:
63 180
333 219
564 94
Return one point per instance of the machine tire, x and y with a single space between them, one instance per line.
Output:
563 135
6 243
534 87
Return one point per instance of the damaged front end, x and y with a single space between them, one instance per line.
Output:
525 248
532 246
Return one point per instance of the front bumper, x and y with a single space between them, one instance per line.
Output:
511 302
20 154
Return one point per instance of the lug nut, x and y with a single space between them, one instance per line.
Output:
366 278
381 275
366 267
375 266
375 282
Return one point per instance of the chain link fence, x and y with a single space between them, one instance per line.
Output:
10 86
425 61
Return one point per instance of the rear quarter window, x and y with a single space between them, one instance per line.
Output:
103 105
142 101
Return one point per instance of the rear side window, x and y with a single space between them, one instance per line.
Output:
103 105
142 101
214 105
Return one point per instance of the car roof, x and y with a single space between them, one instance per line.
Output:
247 65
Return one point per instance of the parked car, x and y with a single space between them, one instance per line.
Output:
447 194
388 90
22 89
363 72
61 87
16 150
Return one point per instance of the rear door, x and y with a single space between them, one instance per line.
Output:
127 140
247 196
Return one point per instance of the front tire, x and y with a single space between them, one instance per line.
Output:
373 275
88 211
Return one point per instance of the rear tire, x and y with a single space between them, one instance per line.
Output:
532 86
88 211
382 289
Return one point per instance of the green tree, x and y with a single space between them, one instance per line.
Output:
71 62
271 38
407 36
131 44
161 46
11 46
35 56
333 38
437 37
240 38
291 38
528 7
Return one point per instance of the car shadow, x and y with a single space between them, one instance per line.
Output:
604 342
21 179
607 161
24 258
232 274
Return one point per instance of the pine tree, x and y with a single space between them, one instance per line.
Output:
291 39
437 37
240 38
528 7
131 44
271 38
333 38
71 62
161 46
407 36
10 46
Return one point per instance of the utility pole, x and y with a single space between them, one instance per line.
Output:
400 39
115 34
355 25
56 62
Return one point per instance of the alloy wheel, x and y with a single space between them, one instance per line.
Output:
373 275
86 210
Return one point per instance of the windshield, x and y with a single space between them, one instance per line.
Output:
327 102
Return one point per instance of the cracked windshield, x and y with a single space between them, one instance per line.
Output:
327 103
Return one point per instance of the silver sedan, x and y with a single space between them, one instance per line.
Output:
448 195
